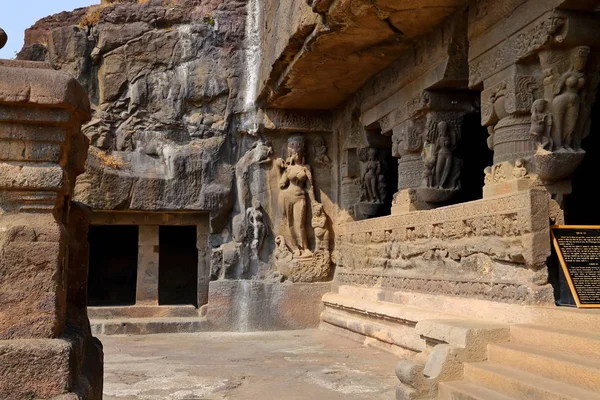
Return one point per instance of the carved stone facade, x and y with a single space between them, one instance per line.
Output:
401 156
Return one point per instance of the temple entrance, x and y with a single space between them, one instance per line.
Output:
178 260
113 265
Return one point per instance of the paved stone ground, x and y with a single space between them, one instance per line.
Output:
307 364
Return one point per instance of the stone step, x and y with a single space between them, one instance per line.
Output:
463 390
142 311
388 323
148 326
390 311
523 385
583 343
569 368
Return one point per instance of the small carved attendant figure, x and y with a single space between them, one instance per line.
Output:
489 178
541 123
566 105
429 166
282 253
319 224
320 149
519 171
295 182
444 155
371 177
254 217
382 187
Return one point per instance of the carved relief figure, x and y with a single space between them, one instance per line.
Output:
319 224
295 183
519 171
282 253
443 155
260 153
442 169
567 103
372 178
541 123
254 219
320 149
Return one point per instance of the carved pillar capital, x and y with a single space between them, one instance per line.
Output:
539 86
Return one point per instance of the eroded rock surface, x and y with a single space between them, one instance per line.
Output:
163 80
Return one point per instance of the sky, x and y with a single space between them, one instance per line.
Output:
18 15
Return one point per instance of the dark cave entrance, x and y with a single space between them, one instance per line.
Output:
178 260
476 156
113 265
581 206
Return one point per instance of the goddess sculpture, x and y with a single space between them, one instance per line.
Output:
566 104
443 153
371 177
295 183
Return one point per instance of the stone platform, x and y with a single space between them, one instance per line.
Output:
234 305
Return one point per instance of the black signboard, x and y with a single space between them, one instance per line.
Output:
578 250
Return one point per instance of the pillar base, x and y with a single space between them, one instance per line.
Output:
407 200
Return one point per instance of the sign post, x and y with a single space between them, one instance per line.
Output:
578 250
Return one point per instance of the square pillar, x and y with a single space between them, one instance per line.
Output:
147 272
203 263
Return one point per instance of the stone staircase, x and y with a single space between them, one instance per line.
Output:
539 363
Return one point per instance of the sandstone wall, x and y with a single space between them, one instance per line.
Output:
163 79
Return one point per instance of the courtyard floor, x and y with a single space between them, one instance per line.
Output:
308 364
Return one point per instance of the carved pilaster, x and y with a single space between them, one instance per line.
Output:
539 86
424 141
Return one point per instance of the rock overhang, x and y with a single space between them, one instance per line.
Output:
347 45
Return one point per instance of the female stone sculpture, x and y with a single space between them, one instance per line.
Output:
371 177
295 182
444 155
566 104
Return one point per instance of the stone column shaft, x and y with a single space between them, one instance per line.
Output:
147 272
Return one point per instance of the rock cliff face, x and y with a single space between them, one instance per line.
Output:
163 77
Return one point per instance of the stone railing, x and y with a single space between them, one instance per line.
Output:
493 249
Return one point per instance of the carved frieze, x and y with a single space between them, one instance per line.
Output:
499 234
550 28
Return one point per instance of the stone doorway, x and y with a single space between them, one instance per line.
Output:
165 277
113 265
178 260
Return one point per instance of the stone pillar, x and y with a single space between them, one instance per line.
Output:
42 150
539 84
425 135
147 271
203 264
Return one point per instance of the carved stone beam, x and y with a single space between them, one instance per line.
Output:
292 121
